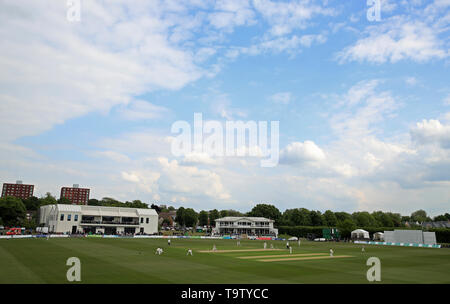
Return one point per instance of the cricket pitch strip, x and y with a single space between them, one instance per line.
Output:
237 250
281 255
306 258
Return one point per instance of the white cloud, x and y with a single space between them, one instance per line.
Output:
113 54
231 13
153 171
221 105
356 150
285 17
388 6
298 152
291 45
396 39
204 54
130 177
281 97
198 158
431 131
357 93
405 164
123 51
113 155
412 81
147 143
189 180
361 108
142 110
144 180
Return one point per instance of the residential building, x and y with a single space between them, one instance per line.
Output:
171 215
18 190
438 224
75 194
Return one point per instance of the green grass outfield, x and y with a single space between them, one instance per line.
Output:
134 261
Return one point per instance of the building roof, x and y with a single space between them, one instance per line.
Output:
146 211
439 224
105 210
237 218
68 208
360 231
77 188
171 214
16 184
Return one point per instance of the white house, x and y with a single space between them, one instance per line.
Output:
245 225
73 219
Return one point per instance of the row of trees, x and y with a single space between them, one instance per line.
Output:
442 217
13 213
13 210
305 217
111 202
187 217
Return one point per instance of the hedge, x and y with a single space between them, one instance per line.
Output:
301 231
442 234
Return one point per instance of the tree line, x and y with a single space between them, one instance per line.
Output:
13 213
13 210
305 217
188 217
311 218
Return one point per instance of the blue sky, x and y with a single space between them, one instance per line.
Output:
363 106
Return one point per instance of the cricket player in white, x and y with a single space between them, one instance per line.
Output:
214 247
168 242
265 245
271 246
298 242
331 252
189 252
287 245
290 249
363 250
159 251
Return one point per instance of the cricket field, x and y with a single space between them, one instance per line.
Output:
133 260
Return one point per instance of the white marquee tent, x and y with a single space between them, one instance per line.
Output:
360 234
378 236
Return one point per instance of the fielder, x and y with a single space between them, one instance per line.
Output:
159 251
287 245
265 245
168 242
290 249
189 252
331 252
363 249
214 247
